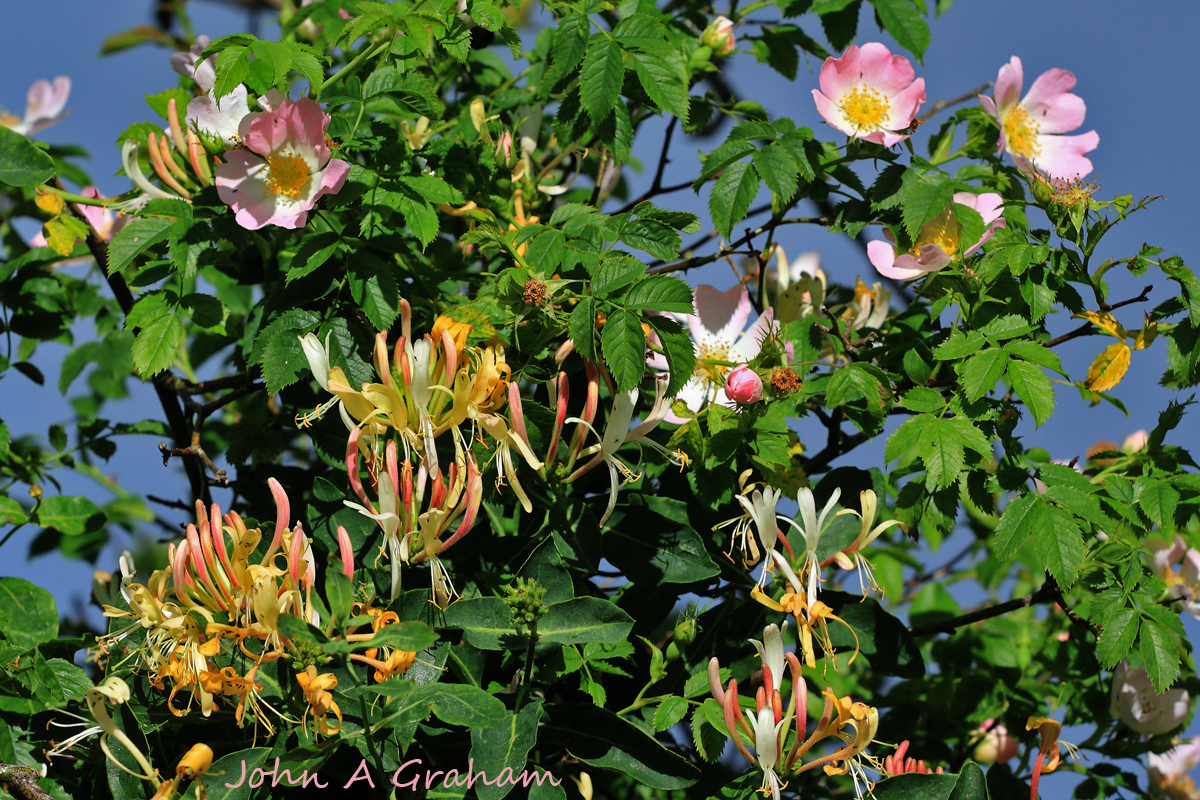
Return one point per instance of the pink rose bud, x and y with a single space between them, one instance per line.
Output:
719 36
1135 441
743 386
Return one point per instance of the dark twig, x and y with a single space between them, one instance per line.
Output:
1088 329
176 504
214 385
699 261
1049 593
1076 620
196 451
22 782
941 105
656 187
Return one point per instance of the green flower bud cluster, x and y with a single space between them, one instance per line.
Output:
526 599
305 654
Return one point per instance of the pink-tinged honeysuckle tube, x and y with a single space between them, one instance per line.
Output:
1135 703
852 557
938 244
45 105
133 170
1031 129
284 169
870 94
720 343
618 433
770 650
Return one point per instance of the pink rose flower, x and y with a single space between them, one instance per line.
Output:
1169 771
285 168
870 94
743 386
45 105
938 243
1031 129
719 36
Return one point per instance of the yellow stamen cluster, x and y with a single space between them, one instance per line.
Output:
1021 131
867 108
287 174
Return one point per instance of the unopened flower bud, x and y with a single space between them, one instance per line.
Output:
685 630
743 386
719 36
996 745
1135 441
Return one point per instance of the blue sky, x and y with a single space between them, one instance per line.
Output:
1135 71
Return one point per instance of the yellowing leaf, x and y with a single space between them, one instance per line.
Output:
1104 321
1108 368
50 203
1146 335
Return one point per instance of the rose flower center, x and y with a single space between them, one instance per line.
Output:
287 174
866 108
1021 130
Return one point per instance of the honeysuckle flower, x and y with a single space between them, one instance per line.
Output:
897 764
1169 771
759 514
870 306
770 650
720 342
938 244
617 433
284 169
189 65
1031 129
766 747
317 691
811 528
812 617
1050 749
1135 703
743 386
45 105
866 575
870 94
220 118
719 36
995 745
133 170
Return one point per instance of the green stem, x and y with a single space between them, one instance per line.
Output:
366 731
105 202
354 62
527 679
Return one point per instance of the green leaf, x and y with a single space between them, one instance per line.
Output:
1016 525
584 619
1057 542
373 286
652 543
778 171
669 713
28 615
1160 651
420 217
233 767
601 77
731 197
71 516
1158 499
233 65
505 747
971 784
601 739
922 398
156 345
1117 637
982 371
654 237
466 705
11 512
664 78
615 272
941 448
959 345
925 200
1034 388
582 328
883 639
1038 354
22 163
486 623
277 55
340 595
412 636
678 350
906 436
624 345
902 21
313 252
570 43
915 786
661 293
140 233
